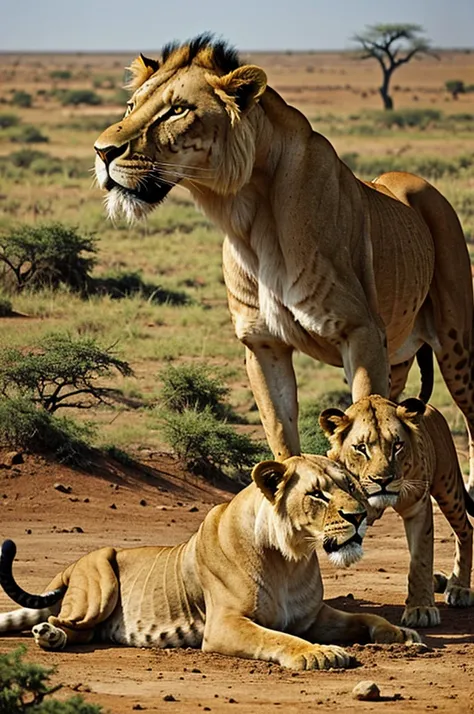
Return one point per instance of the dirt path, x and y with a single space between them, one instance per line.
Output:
113 506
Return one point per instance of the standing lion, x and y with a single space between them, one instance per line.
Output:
358 275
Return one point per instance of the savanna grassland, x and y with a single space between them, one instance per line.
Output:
180 314
158 298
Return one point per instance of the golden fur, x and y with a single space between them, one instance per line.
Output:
355 274
403 454
246 584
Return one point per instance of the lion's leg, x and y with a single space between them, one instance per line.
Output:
398 378
366 362
92 591
457 587
420 610
238 636
456 363
333 625
272 379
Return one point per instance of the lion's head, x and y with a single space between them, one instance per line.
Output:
376 440
310 499
186 121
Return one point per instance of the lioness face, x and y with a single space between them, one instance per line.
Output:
179 126
319 501
373 439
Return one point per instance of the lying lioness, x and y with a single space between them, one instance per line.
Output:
246 584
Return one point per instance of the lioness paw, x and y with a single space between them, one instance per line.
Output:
320 657
390 634
49 637
423 616
457 596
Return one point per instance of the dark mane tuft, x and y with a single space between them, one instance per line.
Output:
225 58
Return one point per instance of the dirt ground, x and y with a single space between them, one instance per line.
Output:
159 503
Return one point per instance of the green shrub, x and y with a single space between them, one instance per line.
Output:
24 687
313 439
60 74
22 99
28 135
47 254
60 371
193 386
25 157
26 426
6 307
455 87
8 120
75 97
210 447
406 118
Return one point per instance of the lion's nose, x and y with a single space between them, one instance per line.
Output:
355 518
109 153
382 481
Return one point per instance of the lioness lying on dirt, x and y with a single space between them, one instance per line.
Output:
246 584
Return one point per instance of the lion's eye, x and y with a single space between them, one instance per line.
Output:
177 111
397 447
362 449
319 495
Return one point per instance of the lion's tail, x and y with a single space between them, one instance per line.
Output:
13 590
23 619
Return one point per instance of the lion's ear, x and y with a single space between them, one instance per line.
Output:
411 410
240 89
141 69
332 419
268 475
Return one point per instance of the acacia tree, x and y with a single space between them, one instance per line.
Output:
392 45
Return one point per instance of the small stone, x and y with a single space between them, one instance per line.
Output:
169 698
77 529
193 509
62 488
366 691
138 707
113 506
143 502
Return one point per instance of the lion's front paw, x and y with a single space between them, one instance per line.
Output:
422 616
49 637
457 596
319 657
390 634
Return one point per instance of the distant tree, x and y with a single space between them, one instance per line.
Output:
392 46
455 87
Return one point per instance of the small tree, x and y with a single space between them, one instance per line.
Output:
24 687
455 87
60 371
47 254
392 45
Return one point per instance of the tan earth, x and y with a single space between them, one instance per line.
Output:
158 502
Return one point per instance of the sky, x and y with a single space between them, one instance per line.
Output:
140 25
